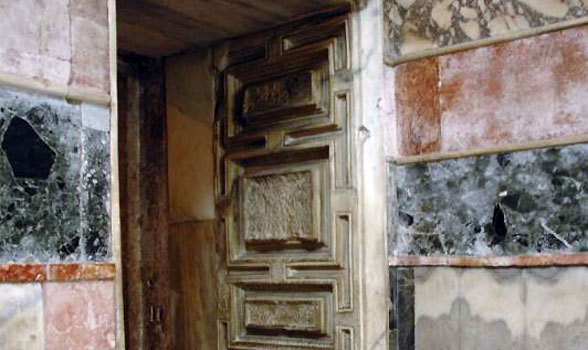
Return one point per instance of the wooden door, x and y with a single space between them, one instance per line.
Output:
287 189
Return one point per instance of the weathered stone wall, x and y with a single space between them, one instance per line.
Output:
487 127
56 270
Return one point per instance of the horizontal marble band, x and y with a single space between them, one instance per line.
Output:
438 156
485 42
535 260
26 273
55 89
511 35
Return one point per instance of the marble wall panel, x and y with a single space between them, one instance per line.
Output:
556 308
38 48
524 91
422 26
401 316
90 52
95 192
21 317
417 107
506 309
79 315
67 43
517 203
54 180
527 90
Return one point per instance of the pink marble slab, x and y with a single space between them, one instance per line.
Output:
67 43
79 315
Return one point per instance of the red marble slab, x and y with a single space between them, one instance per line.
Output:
525 91
417 107
578 259
12 273
26 273
522 91
79 315
78 272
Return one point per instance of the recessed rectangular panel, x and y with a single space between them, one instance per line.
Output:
287 316
345 338
279 207
299 94
283 315
289 91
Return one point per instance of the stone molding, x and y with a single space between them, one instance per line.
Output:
27 273
55 89
540 260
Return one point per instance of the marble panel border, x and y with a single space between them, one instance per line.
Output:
539 260
27 273
55 89
474 152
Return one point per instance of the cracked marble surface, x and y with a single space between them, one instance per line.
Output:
517 203
61 215
415 26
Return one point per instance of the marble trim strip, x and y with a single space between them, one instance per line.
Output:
26 273
439 156
485 42
56 90
539 260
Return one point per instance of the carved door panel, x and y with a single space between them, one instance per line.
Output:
286 190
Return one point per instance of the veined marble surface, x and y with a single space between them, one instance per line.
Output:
490 309
517 203
21 317
79 315
62 41
54 180
416 26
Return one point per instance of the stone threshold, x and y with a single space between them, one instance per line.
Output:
536 260
26 273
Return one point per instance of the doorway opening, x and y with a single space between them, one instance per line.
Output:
170 57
